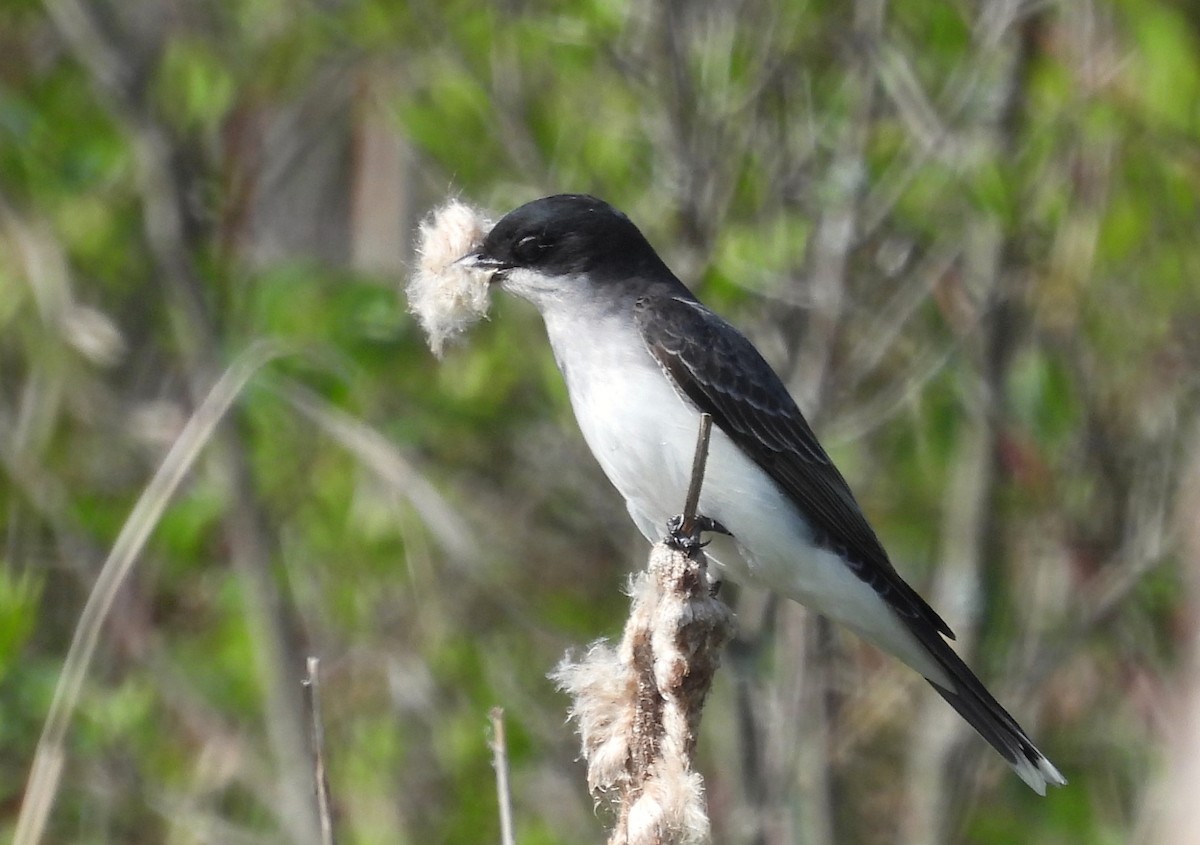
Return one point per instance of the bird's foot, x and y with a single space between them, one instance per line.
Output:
686 537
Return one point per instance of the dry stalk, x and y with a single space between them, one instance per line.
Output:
312 687
638 706
500 764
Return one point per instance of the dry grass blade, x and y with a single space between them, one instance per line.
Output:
48 759
500 763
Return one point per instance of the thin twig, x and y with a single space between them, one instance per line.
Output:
500 763
699 460
313 700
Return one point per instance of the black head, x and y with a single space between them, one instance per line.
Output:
570 234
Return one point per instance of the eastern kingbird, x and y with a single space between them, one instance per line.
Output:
642 359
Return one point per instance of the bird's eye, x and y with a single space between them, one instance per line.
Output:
530 248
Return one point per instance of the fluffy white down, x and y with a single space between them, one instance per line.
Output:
447 297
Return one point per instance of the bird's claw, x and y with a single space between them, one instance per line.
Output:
686 538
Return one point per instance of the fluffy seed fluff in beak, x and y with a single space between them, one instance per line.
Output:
449 291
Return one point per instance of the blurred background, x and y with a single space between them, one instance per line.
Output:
967 234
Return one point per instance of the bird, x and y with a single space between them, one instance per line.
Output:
643 359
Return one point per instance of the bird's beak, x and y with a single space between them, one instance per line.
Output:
479 261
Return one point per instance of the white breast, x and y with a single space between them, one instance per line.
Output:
643 434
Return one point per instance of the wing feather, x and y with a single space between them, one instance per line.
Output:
716 368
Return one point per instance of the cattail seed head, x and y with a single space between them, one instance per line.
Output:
445 296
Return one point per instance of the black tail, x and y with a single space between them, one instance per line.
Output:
981 710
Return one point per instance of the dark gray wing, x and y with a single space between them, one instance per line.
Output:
720 371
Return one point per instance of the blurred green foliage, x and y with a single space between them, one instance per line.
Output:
179 180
